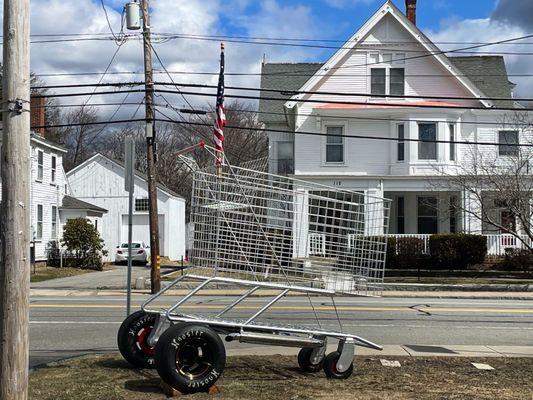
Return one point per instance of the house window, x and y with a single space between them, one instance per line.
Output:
378 81
141 204
40 167
427 215
39 232
427 147
505 140
397 81
285 158
54 222
507 221
401 142
400 215
453 214
335 144
452 142
54 167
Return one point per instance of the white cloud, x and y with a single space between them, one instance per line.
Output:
486 31
346 3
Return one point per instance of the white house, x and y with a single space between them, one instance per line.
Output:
389 55
50 207
100 181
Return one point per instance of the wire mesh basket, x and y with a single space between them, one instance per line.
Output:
250 224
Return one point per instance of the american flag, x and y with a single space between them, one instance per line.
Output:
220 119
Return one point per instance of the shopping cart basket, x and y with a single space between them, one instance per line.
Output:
257 233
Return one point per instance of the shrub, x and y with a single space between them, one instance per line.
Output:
457 251
404 252
516 260
83 242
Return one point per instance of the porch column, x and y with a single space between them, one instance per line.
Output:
300 227
471 218
374 213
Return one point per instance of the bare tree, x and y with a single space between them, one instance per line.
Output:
498 181
80 140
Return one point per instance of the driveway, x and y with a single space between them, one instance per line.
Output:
114 279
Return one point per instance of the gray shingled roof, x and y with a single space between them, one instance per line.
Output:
488 73
72 203
287 77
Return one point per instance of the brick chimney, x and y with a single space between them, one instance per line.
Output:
37 115
410 10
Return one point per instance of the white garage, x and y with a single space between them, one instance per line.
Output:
100 181
141 229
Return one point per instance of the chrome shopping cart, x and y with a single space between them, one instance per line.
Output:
261 238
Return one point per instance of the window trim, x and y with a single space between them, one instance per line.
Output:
40 166
39 223
500 145
53 168
452 130
333 124
425 216
400 142
398 216
136 207
54 223
420 143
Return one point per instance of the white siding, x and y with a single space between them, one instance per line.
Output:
101 182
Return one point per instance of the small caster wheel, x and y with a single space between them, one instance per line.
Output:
190 358
132 339
330 367
304 360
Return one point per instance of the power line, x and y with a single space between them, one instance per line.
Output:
305 133
364 47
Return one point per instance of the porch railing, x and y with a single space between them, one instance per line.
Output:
496 244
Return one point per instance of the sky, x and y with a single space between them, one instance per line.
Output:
441 20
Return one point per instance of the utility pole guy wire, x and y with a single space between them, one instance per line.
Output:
15 210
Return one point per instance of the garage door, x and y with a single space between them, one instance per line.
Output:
141 230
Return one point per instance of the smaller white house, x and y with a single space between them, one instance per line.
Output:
100 181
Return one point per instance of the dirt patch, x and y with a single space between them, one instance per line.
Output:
109 377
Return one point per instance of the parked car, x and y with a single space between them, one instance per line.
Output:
140 253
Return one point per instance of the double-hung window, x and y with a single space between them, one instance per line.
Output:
378 81
428 221
39 230
335 144
452 143
285 158
507 141
397 81
401 142
400 217
387 74
54 222
427 145
54 169
40 165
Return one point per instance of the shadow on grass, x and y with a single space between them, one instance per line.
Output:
152 385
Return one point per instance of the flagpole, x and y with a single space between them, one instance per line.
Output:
220 120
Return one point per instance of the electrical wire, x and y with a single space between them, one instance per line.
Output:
303 133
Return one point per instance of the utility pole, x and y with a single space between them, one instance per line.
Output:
15 210
155 274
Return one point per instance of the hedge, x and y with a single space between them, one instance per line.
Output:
457 251
446 251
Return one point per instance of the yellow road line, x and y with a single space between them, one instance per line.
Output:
308 308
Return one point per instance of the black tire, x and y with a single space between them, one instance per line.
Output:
304 360
330 367
190 358
132 339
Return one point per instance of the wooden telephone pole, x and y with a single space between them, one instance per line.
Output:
155 274
15 210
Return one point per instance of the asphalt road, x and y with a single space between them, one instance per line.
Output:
62 327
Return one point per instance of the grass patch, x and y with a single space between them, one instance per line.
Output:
277 377
43 273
